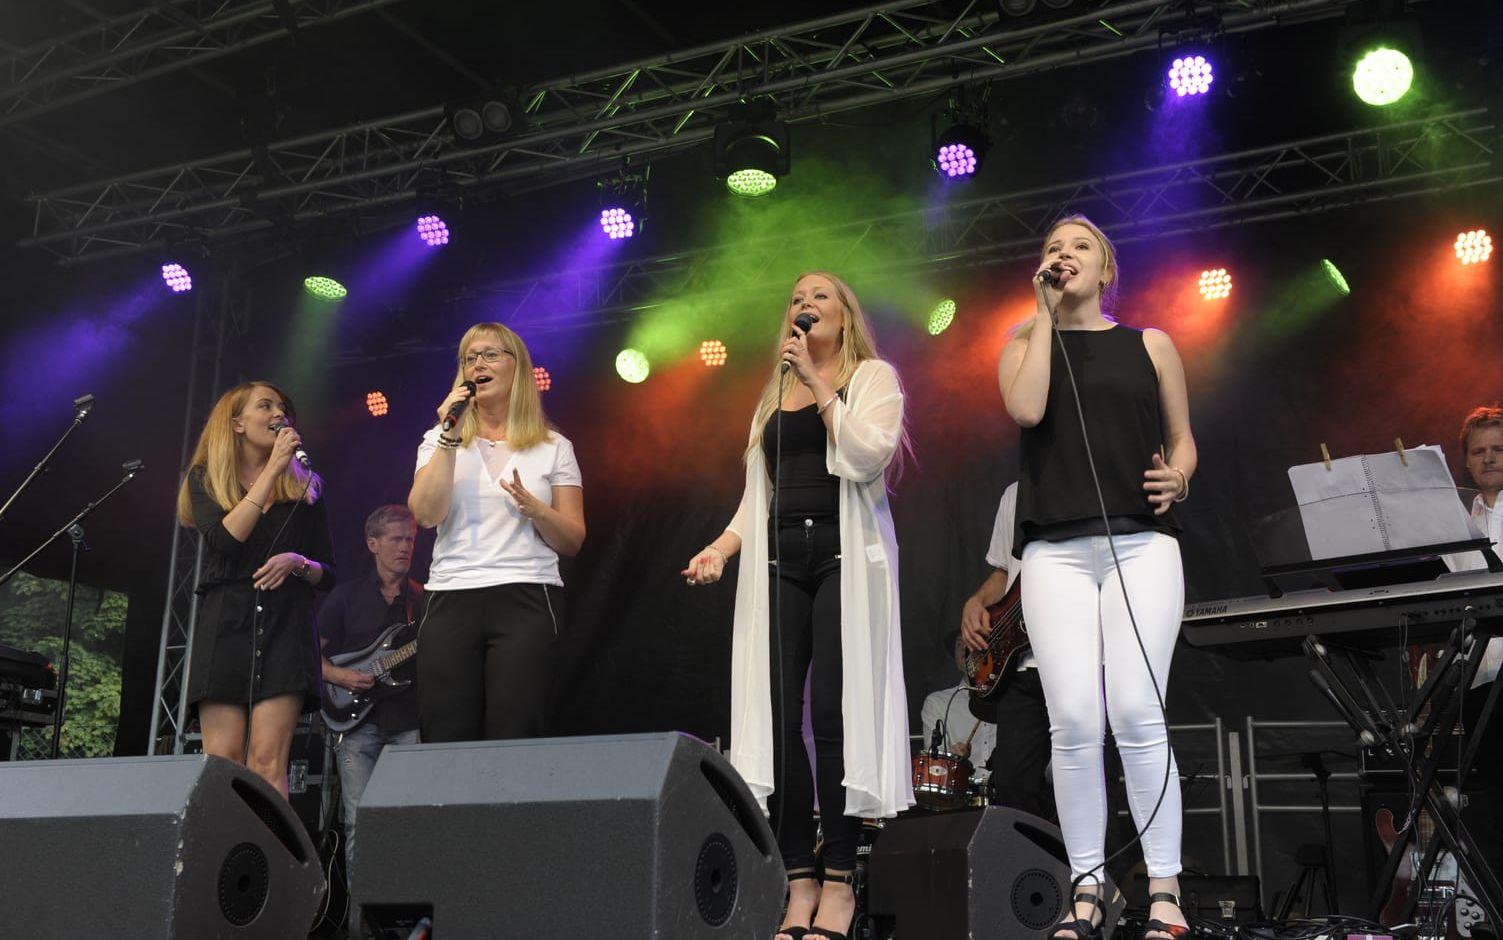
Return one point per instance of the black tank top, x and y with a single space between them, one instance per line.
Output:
806 489
1119 393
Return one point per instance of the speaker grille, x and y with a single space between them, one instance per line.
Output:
244 880
715 880
1037 900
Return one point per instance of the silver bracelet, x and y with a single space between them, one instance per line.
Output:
821 409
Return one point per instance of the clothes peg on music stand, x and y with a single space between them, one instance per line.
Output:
1325 455
1398 444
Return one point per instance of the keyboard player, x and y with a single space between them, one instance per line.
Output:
1481 440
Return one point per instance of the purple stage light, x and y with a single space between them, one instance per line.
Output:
176 277
432 230
956 160
617 223
1190 75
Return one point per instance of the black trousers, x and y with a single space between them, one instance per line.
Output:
1019 762
485 661
806 643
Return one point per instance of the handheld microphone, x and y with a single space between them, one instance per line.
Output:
300 455
805 323
1049 276
456 410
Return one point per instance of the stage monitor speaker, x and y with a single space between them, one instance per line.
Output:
642 836
191 847
989 874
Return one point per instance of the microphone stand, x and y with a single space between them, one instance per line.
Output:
73 528
82 405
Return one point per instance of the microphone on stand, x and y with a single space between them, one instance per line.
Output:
300 455
937 739
805 323
1049 276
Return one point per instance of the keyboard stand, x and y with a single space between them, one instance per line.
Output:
1379 722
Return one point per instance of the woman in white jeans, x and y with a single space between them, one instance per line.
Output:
1131 390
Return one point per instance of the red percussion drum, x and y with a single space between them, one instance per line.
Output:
941 780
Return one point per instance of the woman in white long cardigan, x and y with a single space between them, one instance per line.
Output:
831 420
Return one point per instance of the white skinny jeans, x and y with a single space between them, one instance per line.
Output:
1077 622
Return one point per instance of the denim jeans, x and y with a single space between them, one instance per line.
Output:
356 752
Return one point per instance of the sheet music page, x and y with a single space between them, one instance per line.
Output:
1373 503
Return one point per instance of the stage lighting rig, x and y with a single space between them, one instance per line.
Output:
484 120
623 203
958 152
1382 47
751 149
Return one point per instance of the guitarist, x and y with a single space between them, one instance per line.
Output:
1022 721
356 613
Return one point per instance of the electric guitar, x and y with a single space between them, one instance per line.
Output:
343 709
987 671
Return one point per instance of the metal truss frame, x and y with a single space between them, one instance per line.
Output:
592 122
1300 177
120 51
169 709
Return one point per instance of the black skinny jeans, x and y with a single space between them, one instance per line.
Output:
808 572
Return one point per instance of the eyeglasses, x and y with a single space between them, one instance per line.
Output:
491 356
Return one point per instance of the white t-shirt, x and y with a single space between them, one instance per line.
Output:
485 540
953 707
1490 520
999 553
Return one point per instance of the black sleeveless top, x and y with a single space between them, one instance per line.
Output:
806 489
1119 393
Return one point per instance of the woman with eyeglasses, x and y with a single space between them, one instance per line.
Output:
504 490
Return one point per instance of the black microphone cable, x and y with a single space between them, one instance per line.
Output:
255 642
1122 583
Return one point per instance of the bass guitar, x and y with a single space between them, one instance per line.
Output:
344 709
987 671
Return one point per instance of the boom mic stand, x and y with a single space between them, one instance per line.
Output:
82 405
74 530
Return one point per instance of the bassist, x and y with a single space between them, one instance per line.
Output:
1022 722
357 612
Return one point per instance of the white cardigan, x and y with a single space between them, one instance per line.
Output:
878 780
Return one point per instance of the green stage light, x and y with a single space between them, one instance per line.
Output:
1382 76
941 316
1333 274
632 366
324 288
751 182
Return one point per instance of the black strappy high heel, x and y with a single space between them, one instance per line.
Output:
825 933
1154 925
1081 928
797 933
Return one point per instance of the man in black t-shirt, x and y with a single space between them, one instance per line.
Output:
355 615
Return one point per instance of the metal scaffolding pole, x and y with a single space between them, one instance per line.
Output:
169 709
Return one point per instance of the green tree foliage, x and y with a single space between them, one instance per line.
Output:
31 618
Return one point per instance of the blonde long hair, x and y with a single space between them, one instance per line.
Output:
219 446
526 425
1107 287
857 344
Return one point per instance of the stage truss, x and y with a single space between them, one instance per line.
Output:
592 123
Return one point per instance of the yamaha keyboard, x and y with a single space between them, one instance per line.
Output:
1415 612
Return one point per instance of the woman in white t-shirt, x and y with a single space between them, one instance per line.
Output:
504 490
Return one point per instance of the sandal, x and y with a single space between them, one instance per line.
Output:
1167 931
796 933
825 933
1081 928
